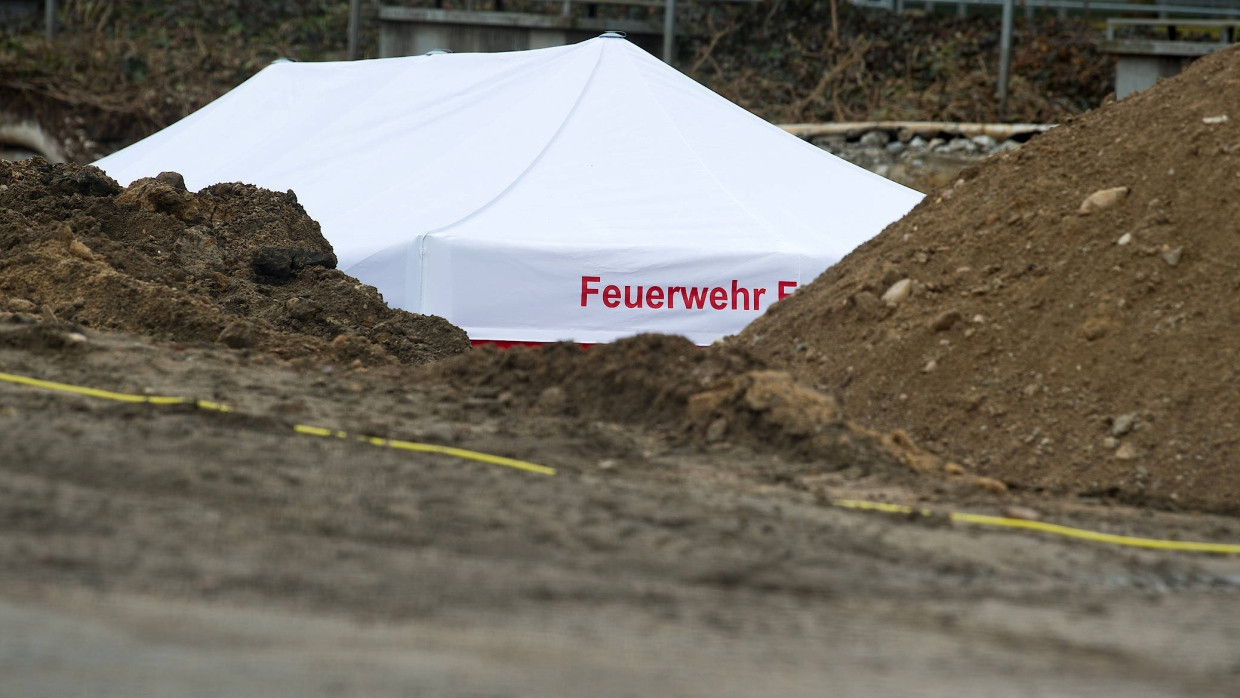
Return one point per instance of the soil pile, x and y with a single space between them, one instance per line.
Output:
716 400
1065 317
233 265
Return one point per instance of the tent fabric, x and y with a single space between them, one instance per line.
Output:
582 192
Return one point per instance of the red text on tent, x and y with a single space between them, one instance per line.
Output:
689 297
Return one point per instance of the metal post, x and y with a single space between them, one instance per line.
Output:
49 15
355 21
1005 55
669 31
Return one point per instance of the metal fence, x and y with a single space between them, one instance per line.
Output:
1160 8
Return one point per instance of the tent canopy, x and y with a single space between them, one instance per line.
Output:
582 192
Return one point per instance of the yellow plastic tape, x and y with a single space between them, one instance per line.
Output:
1055 529
298 428
978 519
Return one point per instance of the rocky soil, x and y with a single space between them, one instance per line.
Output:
1062 316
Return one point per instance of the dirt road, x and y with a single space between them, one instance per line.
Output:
154 550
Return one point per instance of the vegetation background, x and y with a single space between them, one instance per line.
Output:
118 71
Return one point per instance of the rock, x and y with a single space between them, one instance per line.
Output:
991 485
1172 257
281 264
930 366
944 321
302 309
1110 442
917 142
875 139
1124 239
150 194
238 335
959 146
985 142
21 305
716 430
896 147
440 432
1022 513
1123 424
1220 119
1126 451
1103 199
898 292
172 179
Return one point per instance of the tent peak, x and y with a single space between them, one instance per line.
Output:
613 34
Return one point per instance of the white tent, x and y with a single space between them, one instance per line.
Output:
583 192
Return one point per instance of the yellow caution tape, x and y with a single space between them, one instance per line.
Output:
109 395
978 519
1056 529
429 448
298 428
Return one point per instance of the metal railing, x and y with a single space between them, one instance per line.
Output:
1161 8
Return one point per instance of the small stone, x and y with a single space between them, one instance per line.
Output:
1103 199
1126 451
985 142
1124 239
21 305
172 179
440 432
930 366
716 430
237 335
1110 442
945 320
953 469
1220 119
1172 257
608 464
1022 513
875 139
991 485
899 291
1123 424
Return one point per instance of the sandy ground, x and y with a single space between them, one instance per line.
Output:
150 550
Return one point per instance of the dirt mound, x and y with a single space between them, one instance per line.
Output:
232 265
712 399
1059 346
